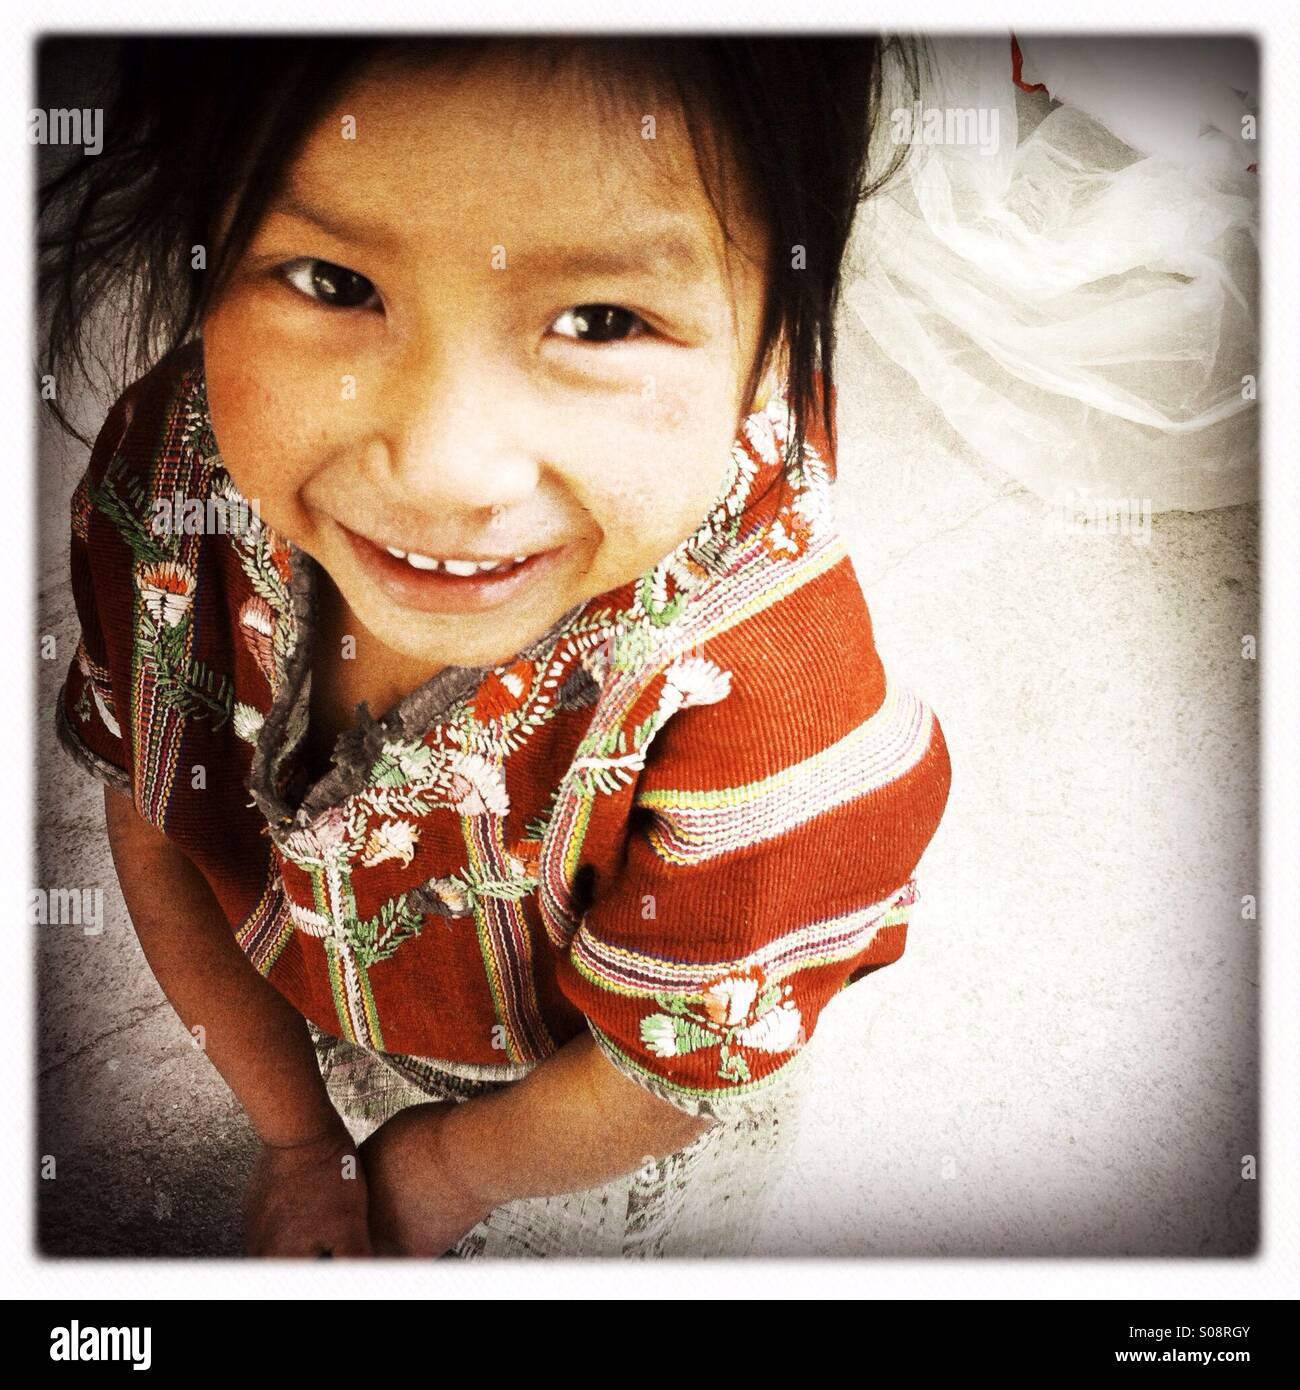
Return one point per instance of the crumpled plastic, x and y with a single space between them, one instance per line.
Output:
1083 314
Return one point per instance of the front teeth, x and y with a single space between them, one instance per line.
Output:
463 568
421 562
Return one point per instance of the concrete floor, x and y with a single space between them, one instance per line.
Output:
1065 1060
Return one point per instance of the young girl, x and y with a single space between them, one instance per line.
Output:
486 703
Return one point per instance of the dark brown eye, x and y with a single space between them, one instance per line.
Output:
598 323
329 284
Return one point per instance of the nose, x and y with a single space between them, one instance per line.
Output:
455 443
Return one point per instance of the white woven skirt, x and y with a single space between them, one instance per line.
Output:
706 1199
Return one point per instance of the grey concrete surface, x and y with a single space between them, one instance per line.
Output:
1064 1061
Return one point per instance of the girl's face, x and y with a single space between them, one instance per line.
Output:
482 322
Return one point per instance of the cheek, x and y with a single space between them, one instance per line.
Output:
673 457
262 419
670 411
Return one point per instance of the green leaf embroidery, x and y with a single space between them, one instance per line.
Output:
378 937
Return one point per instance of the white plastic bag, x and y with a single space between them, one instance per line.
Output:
1085 315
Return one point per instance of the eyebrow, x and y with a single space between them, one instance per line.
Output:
662 255
664 252
292 205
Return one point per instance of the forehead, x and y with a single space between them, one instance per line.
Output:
505 151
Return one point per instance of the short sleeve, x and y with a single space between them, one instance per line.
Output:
770 862
94 699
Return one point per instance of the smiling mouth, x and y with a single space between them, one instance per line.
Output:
450 584
462 566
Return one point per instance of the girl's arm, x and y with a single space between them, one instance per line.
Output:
253 1036
573 1122
302 1196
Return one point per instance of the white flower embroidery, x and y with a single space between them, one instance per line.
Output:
248 722
242 519
728 1001
395 839
778 1030
697 681
167 590
257 622
514 683
659 1034
413 760
478 785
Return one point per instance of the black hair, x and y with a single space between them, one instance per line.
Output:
199 125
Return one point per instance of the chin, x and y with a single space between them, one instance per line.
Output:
425 647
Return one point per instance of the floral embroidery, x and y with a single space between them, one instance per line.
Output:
395 839
266 619
184 685
257 623
248 723
414 778
325 851
95 686
604 762
322 842
474 884
167 591
733 1012
694 680
453 894
789 533
280 562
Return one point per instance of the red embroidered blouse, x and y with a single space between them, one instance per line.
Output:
684 817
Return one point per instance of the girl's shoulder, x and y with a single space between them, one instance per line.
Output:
150 448
182 593
135 427
155 496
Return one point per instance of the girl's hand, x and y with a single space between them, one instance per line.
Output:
308 1200
416 1208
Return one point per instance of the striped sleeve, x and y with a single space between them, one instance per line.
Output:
770 857
92 704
